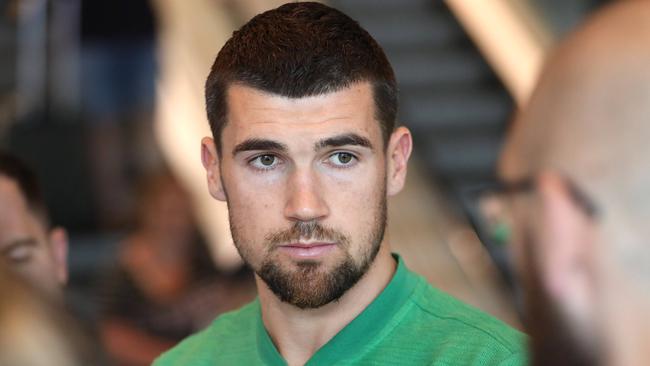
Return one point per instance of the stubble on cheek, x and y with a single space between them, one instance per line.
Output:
243 226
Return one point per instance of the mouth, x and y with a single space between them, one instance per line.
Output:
307 250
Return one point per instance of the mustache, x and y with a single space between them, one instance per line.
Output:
306 230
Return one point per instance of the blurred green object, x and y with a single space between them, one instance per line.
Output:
501 234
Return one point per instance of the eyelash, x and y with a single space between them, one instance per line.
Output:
352 162
260 166
277 161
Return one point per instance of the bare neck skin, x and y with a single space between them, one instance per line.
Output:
298 334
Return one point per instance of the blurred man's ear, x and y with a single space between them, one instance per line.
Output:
565 246
397 154
58 239
210 160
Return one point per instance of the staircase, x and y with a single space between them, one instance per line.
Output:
450 99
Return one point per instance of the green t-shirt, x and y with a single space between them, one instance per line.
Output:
409 323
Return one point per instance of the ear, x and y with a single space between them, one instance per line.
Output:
210 160
565 247
58 239
399 150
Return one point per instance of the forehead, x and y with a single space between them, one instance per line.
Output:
254 113
11 198
15 217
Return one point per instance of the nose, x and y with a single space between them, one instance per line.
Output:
305 201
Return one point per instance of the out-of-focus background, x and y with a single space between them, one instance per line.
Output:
104 99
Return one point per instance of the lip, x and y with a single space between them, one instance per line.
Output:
309 251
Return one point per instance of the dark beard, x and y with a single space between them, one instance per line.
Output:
309 287
552 341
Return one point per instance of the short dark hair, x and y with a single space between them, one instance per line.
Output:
299 50
15 169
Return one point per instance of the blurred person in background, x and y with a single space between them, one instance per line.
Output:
164 287
577 186
28 243
302 104
37 331
118 63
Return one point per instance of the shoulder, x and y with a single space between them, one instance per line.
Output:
460 330
230 333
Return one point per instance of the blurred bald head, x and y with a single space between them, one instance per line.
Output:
589 118
592 105
584 140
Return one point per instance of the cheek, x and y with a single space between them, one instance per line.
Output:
354 203
255 206
256 194
39 270
358 195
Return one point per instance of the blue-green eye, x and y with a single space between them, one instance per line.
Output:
264 161
342 158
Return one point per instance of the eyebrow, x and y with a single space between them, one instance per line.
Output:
259 144
344 140
256 144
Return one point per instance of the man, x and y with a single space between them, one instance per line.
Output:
27 244
302 104
577 173
37 326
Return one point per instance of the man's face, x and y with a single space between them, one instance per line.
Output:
25 245
305 182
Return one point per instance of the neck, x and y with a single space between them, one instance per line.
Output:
299 333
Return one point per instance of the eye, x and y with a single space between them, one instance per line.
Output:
264 162
18 254
342 159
